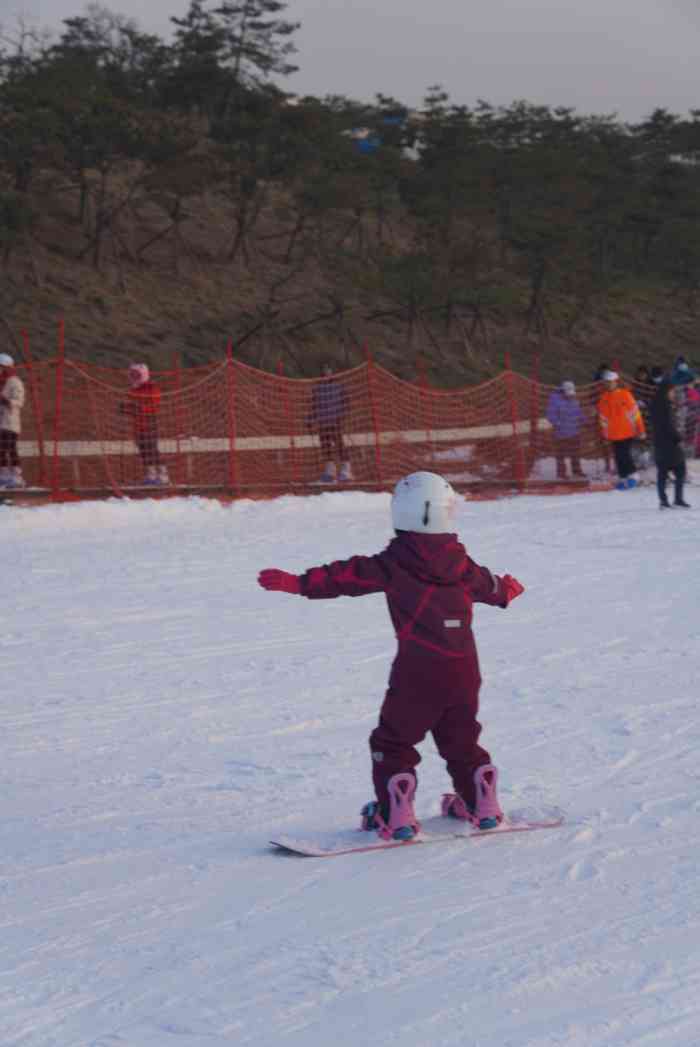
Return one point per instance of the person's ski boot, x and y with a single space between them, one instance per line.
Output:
486 813
628 483
15 478
329 474
399 822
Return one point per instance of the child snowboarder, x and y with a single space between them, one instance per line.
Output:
430 585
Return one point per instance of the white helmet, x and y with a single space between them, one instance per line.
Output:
423 502
6 361
139 374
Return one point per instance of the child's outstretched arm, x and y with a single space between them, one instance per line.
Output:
485 587
358 576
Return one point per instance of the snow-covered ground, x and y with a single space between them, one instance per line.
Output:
162 717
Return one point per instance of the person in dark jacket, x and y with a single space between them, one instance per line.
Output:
682 373
431 585
329 407
668 445
643 389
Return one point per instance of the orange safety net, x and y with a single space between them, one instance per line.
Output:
231 428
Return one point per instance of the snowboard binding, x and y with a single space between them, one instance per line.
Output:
487 813
399 822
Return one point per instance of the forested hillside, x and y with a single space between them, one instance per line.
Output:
167 195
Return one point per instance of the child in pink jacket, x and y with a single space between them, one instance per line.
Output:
430 584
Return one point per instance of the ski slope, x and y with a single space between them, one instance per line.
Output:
162 717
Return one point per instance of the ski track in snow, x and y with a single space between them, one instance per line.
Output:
163 717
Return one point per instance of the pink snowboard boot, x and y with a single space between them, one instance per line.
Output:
400 822
487 813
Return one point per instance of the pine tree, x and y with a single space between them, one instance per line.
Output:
257 41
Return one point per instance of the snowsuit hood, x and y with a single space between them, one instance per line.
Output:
436 559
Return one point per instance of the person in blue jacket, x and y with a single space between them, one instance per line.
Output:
682 373
565 415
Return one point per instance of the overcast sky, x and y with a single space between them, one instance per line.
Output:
599 56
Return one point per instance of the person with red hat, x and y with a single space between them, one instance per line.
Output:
142 406
11 404
431 585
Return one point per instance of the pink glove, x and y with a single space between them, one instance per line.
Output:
279 581
512 587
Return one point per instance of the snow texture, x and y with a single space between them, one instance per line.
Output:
163 717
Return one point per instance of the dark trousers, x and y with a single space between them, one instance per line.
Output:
404 722
568 447
675 465
622 449
331 436
147 443
9 458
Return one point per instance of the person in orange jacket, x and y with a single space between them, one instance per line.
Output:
621 424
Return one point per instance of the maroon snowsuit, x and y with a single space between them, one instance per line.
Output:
430 585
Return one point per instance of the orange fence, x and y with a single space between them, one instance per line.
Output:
232 428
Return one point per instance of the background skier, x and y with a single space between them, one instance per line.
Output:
621 423
682 377
430 585
565 415
329 407
142 407
668 445
11 404
692 397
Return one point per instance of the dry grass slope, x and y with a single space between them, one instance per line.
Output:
165 290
